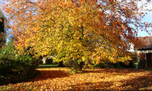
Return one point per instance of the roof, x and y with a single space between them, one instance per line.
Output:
145 43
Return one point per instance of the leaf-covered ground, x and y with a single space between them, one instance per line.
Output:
56 79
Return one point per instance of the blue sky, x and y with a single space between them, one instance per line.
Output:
143 33
147 18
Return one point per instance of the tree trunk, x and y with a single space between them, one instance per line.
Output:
76 66
61 64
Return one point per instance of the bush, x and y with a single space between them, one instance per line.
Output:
105 65
100 65
123 65
15 68
115 65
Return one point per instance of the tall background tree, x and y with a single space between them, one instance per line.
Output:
76 30
2 30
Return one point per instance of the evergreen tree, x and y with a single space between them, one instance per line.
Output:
2 30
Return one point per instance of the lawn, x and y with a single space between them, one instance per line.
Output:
47 65
54 79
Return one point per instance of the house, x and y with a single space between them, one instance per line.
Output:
144 52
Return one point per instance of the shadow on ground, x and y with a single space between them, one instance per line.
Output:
49 74
114 70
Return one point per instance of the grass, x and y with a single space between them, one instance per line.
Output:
47 65
59 79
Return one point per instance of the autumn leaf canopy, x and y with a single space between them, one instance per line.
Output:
81 30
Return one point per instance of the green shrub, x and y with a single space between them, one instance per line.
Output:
123 65
115 65
15 68
74 71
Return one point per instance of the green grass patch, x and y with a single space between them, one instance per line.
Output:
47 65
136 64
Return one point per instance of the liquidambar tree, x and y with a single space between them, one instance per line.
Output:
77 30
